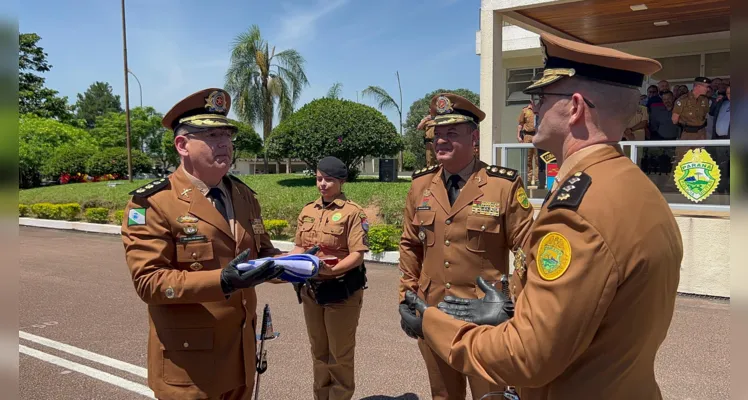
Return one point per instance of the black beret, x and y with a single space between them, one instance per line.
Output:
701 79
333 167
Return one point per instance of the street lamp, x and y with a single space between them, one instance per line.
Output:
140 88
127 95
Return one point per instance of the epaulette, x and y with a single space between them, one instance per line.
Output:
424 171
355 204
236 179
571 192
502 172
151 188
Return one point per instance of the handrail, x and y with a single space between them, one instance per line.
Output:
503 148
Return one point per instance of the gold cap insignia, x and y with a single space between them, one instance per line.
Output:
216 102
443 105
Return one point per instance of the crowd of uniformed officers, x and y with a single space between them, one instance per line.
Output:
581 314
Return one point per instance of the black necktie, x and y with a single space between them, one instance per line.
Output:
453 190
217 195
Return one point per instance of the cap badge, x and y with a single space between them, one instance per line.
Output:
443 105
216 102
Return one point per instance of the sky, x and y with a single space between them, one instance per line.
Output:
177 47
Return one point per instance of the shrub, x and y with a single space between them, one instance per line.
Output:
69 211
114 161
67 160
275 227
23 210
118 216
47 210
97 215
384 238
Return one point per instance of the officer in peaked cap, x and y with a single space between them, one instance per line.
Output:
690 113
183 237
462 218
580 282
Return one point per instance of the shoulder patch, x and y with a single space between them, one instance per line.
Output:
570 193
502 172
236 179
424 171
150 188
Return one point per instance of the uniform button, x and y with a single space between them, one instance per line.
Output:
448 285
169 293
449 221
483 227
446 264
244 301
194 256
245 325
186 345
446 242
421 222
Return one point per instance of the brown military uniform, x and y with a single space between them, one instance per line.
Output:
339 229
527 121
692 112
200 345
444 248
595 286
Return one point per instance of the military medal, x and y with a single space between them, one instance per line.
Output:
422 235
196 266
190 230
486 208
186 219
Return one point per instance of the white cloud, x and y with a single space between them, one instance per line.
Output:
300 25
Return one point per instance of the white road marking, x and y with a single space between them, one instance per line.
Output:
92 372
111 362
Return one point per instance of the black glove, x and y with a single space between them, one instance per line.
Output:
297 286
410 321
233 279
494 308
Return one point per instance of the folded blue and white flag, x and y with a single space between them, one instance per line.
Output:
298 267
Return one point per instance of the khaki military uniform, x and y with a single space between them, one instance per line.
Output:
594 286
430 149
200 343
444 249
339 229
527 120
692 112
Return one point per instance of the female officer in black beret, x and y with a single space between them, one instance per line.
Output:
333 300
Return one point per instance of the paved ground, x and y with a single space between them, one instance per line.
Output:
75 290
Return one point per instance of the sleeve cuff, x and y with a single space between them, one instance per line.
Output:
439 330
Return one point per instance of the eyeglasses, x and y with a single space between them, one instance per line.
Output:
537 98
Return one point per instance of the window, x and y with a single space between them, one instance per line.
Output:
717 64
679 67
518 80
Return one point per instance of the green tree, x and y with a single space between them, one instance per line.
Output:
335 91
39 139
247 142
166 155
387 102
33 97
146 131
258 79
418 110
334 127
98 100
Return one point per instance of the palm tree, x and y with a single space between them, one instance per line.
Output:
258 79
385 101
335 91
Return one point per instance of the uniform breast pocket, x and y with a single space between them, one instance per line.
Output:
424 223
195 255
307 234
187 355
482 232
333 235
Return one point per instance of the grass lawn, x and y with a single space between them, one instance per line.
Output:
281 196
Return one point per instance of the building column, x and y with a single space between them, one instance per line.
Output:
492 82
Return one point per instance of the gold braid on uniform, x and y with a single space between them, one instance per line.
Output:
571 192
151 188
424 171
502 172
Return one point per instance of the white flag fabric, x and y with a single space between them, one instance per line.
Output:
298 267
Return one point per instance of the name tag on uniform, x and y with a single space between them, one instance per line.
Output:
420 208
195 238
258 227
486 208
